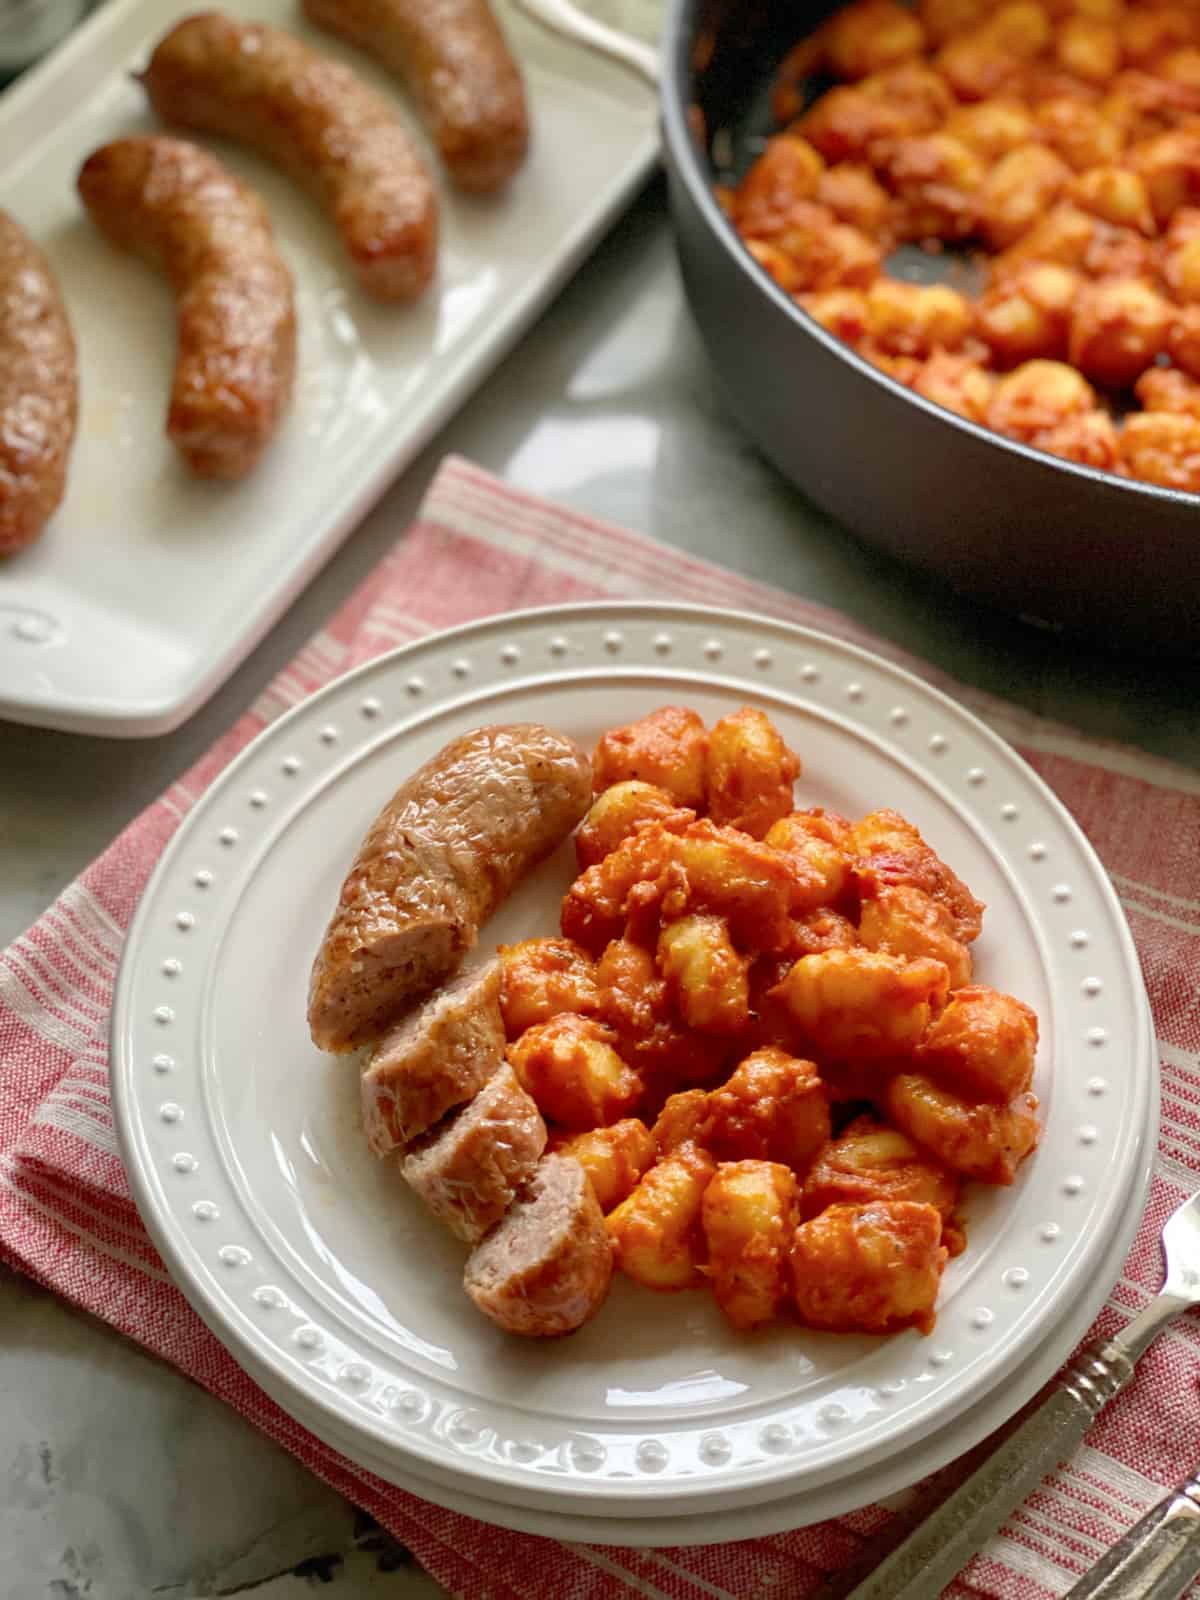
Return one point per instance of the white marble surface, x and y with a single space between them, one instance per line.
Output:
118 1478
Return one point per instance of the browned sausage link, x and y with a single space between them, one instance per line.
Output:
447 849
178 208
457 65
321 124
39 390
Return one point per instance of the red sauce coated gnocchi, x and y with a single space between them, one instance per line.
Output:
1056 140
759 1031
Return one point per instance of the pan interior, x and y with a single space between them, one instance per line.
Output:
743 47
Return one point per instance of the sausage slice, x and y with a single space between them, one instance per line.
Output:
39 389
444 852
454 59
319 122
434 1059
545 1269
469 1167
178 208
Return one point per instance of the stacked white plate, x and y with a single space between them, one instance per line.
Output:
655 1424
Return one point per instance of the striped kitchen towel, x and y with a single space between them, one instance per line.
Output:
66 1217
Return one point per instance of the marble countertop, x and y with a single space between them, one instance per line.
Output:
122 1478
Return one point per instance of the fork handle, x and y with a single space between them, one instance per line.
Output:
1157 1559
942 1545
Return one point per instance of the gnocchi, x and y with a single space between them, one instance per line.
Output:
872 1161
739 878
905 921
1118 329
685 1119
854 195
991 128
816 845
873 1268
822 929
815 252
595 906
667 749
788 170
842 311
748 1218
656 1233
871 34
934 178
569 1067
851 124
615 1158
1164 448
956 381
892 850
1090 438
541 978
709 979
982 1141
1028 315
618 813
982 1045
1036 396
863 1005
1062 136
774 1107
750 773
1016 192
732 969
914 319
651 1037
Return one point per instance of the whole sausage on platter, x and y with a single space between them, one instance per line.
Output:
39 391
179 209
450 845
317 121
454 59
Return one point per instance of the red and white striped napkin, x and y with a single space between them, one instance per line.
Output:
66 1217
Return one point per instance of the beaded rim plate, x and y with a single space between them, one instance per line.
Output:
811 1502
315 1264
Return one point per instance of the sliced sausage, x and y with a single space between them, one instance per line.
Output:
178 208
39 389
444 852
321 124
470 1166
545 1269
453 57
434 1059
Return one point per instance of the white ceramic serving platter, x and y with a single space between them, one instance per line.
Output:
149 587
322 1273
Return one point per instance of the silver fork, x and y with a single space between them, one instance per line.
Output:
936 1551
1156 1560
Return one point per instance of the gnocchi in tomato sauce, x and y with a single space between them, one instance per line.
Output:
1055 142
758 1027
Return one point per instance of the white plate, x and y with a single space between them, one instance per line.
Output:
315 1266
149 587
814 1503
